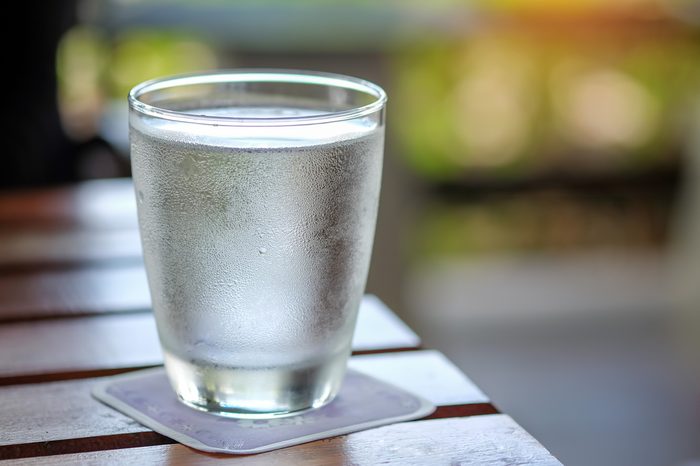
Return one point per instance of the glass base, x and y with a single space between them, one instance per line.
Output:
256 393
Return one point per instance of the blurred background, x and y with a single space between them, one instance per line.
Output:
540 214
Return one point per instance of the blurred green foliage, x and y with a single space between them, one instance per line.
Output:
513 104
92 70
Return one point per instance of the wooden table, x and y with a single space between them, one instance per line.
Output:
74 308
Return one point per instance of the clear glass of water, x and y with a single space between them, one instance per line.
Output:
257 195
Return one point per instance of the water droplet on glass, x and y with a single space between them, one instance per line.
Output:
262 250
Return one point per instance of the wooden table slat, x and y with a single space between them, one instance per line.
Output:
378 328
49 347
83 291
123 288
74 304
96 204
40 413
59 349
483 440
427 373
37 250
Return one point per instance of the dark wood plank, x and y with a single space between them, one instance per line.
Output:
476 409
62 349
483 440
67 446
83 291
98 204
56 417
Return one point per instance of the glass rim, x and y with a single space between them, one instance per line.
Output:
261 75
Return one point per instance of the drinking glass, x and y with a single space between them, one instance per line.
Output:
257 195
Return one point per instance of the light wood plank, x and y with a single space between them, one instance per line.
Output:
65 410
81 344
20 249
378 328
124 288
46 348
58 410
482 440
422 371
